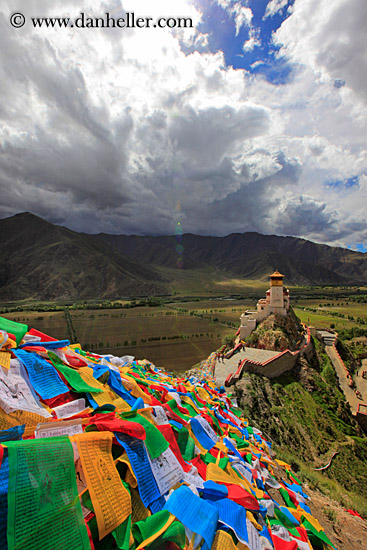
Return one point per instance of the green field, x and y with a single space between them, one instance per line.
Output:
181 332
342 313
170 339
49 322
322 320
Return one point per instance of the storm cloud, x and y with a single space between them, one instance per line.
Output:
127 132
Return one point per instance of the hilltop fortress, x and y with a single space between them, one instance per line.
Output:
276 301
280 339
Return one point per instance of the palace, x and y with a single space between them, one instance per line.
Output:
276 301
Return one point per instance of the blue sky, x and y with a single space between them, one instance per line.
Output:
218 23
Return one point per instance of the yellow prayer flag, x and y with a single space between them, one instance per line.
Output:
251 518
224 541
5 359
111 500
130 476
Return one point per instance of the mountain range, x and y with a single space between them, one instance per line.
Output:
44 261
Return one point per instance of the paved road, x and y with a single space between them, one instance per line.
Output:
222 370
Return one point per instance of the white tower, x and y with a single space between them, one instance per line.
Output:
279 295
276 290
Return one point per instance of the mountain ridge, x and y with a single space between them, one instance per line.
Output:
249 255
41 260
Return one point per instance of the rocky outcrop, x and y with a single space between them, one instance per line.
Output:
278 333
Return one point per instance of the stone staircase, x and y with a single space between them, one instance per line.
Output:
329 338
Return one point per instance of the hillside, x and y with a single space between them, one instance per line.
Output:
44 261
168 464
249 255
307 417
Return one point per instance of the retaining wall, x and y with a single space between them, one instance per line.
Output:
273 367
361 416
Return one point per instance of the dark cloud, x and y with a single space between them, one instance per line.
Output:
205 135
305 215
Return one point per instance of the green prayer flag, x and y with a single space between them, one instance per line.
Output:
286 498
175 533
208 458
314 535
241 443
122 534
43 504
248 457
72 376
142 530
190 409
284 520
186 443
18 329
172 403
155 442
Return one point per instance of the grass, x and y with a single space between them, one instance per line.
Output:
323 320
308 418
52 323
214 305
210 282
320 482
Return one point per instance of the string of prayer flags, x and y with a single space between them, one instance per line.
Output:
112 452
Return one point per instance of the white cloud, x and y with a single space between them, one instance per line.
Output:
243 16
274 6
253 41
329 37
257 64
226 4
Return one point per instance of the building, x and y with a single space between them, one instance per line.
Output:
276 301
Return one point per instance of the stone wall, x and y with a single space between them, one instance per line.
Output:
362 420
275 366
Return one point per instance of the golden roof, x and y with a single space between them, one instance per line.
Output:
277 274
